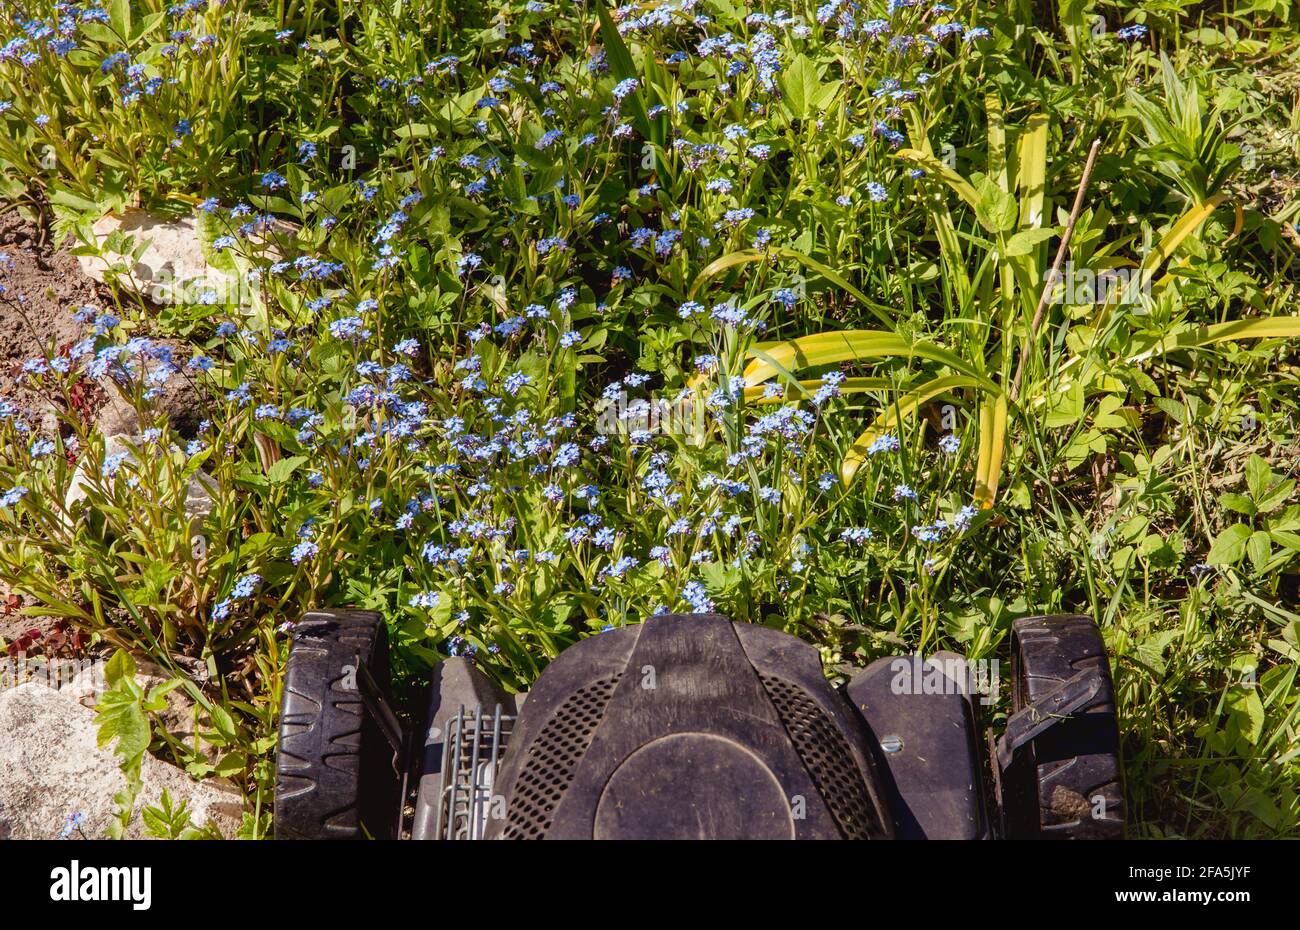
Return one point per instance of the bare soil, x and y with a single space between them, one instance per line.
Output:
43 286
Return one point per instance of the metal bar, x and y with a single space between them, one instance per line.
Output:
1052 707
469 772
473 775
373 699
456 753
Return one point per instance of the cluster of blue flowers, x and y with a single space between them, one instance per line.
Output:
495 491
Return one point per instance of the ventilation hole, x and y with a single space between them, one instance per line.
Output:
825 753
553 758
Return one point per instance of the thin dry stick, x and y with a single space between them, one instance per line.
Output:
1050 283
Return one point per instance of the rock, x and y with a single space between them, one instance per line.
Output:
178 719
173 268
199 494
173 257
54 767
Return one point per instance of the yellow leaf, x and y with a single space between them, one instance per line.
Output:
993 432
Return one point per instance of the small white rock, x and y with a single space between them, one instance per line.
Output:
53 766
199 493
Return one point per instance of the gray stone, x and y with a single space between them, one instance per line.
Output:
51 766
177 399
174 253
199 494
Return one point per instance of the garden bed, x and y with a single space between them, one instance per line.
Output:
523 323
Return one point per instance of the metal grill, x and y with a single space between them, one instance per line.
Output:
825 753
553 759
475 742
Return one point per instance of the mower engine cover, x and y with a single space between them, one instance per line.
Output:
689 727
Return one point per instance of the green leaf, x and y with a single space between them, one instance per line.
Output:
1024 242
1258 476
1267 327
996 209
860 345
1032 176
1071 12
156 699
933 166
223 723
1276 496
1238 503
1229 546
1247 712
281 471
119 18
800 87
231 765
622 66
121 717
1150 653
65 198
1286 539
1258 547
120 666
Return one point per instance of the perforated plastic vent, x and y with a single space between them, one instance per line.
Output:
553 758
825 753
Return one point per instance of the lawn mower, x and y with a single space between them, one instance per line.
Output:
692 727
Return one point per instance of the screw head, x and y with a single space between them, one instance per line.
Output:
891 744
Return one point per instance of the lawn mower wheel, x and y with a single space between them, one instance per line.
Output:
1063 781
337 769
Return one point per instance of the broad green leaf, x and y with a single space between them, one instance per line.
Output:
282 470
1238 503
944 230
119 18
622 66
223 723
1229 546
996 209
1187 224
1032 176
1252 328
120 717
800 87
992 447
1025 241
120 666
1276 496
1258 548
1248 712
933 166
1259 477
862 345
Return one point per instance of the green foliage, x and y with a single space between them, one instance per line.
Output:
829 254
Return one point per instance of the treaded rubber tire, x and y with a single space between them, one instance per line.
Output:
335 777
1052 791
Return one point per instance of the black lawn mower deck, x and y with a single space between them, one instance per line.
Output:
694 727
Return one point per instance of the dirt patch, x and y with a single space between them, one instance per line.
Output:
43 287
